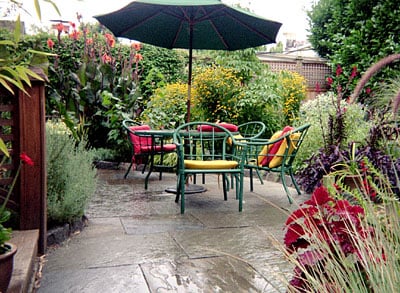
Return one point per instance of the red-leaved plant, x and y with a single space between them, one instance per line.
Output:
325 232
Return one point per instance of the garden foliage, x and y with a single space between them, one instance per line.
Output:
356 32
337 245
71 176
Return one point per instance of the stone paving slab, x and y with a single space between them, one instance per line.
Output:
217 274
137 240
125 278
149 224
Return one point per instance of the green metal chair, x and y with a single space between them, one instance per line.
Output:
251 130
144 148
248 131
261 157
202 151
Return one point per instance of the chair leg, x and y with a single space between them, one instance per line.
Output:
283 179
294 182
259 176
224 186
151 166
182 191
240 188
178 188
127 171
251 179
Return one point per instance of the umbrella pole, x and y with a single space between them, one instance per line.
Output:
190 72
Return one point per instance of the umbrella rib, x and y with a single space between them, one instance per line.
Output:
219 35
250 28
138 24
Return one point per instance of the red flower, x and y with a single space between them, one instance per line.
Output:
138 57
60 27
294 232
319 197
26 159
368 90
136 46
74 35
50 43
105 58
329 81
353 72
339 70
317 88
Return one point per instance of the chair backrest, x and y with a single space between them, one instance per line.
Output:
279 150
289 147
139 143
252 129
203 141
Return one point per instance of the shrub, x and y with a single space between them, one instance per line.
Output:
218 92
71 178
167 106
292 92
317 112
261 102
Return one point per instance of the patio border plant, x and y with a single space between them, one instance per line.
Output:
340 247
71 177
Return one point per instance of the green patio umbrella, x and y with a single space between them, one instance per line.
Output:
195 24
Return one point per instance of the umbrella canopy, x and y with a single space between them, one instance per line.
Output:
194 24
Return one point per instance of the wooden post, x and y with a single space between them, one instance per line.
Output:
31 137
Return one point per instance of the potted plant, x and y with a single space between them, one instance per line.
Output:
7 249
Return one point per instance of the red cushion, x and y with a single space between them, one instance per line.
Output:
140 143
275 147
166 147
209 128
229 126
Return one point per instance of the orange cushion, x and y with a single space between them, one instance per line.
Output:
211 165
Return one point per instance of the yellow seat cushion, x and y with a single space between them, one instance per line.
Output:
262 155
237 136
212 165
277 159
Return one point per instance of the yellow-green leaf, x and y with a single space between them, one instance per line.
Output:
3 148
17 30
37 8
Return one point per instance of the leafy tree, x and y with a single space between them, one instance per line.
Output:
356 33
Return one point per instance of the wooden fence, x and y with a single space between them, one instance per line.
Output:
22 128
314 69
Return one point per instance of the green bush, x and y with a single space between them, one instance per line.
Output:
71 177
317 113
167 106
261 102
218 91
